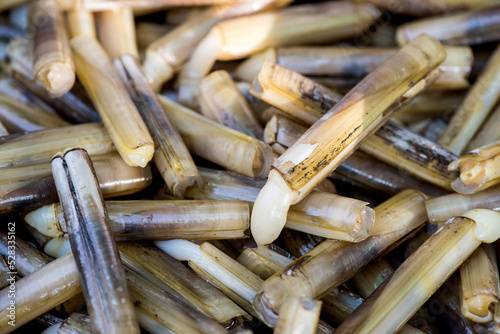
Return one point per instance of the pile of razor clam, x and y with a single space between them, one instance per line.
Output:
249 166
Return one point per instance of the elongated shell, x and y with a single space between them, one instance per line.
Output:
19 117
96 256
332 216
157 220
478 103
224 146
363 97
442 208
467 27
171 157
221 101
480 285
355 62
336 135
39 146
116 31
487 133
36 294
309 23
119 115
52 66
